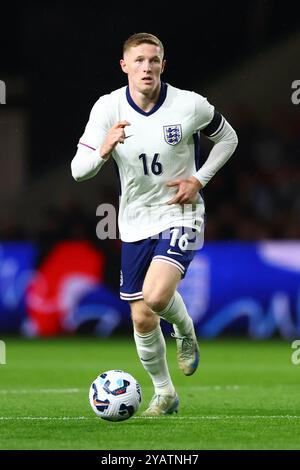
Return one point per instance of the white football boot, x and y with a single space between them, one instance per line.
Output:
162 405
187 352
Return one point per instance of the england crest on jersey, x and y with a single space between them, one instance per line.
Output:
173 134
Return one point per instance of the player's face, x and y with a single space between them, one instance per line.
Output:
144 65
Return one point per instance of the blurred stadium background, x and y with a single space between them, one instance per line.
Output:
57 58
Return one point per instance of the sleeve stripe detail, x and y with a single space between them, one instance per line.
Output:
219 128
81 143
214 124
135 296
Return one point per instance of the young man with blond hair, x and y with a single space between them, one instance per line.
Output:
151 130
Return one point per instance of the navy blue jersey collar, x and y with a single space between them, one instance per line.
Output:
160 101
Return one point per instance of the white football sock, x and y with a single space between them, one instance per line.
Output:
176 313
151 348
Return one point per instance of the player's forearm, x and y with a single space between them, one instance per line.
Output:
225 144
86 163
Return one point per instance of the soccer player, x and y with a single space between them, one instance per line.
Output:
151 130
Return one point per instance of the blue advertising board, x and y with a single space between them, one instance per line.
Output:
250 289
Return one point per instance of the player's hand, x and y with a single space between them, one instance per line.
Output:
187 190
115 135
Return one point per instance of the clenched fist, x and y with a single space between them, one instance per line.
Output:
114 136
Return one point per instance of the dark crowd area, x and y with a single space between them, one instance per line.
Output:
256 196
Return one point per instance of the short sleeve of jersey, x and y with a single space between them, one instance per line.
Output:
97 126
204 112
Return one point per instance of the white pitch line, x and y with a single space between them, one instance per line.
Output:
78 390
233 417
212 387
44 418
40 390
175 418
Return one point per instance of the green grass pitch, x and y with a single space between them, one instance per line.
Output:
245 395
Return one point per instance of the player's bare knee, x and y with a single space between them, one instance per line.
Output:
144 324
143 319
156 301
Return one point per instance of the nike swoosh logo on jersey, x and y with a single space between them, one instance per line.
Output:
170 252
126 136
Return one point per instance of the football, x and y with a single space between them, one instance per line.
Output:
115 395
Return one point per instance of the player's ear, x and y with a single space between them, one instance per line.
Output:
123 65
163 66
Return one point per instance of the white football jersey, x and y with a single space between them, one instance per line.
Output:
160 146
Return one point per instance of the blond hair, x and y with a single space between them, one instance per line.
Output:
142 38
